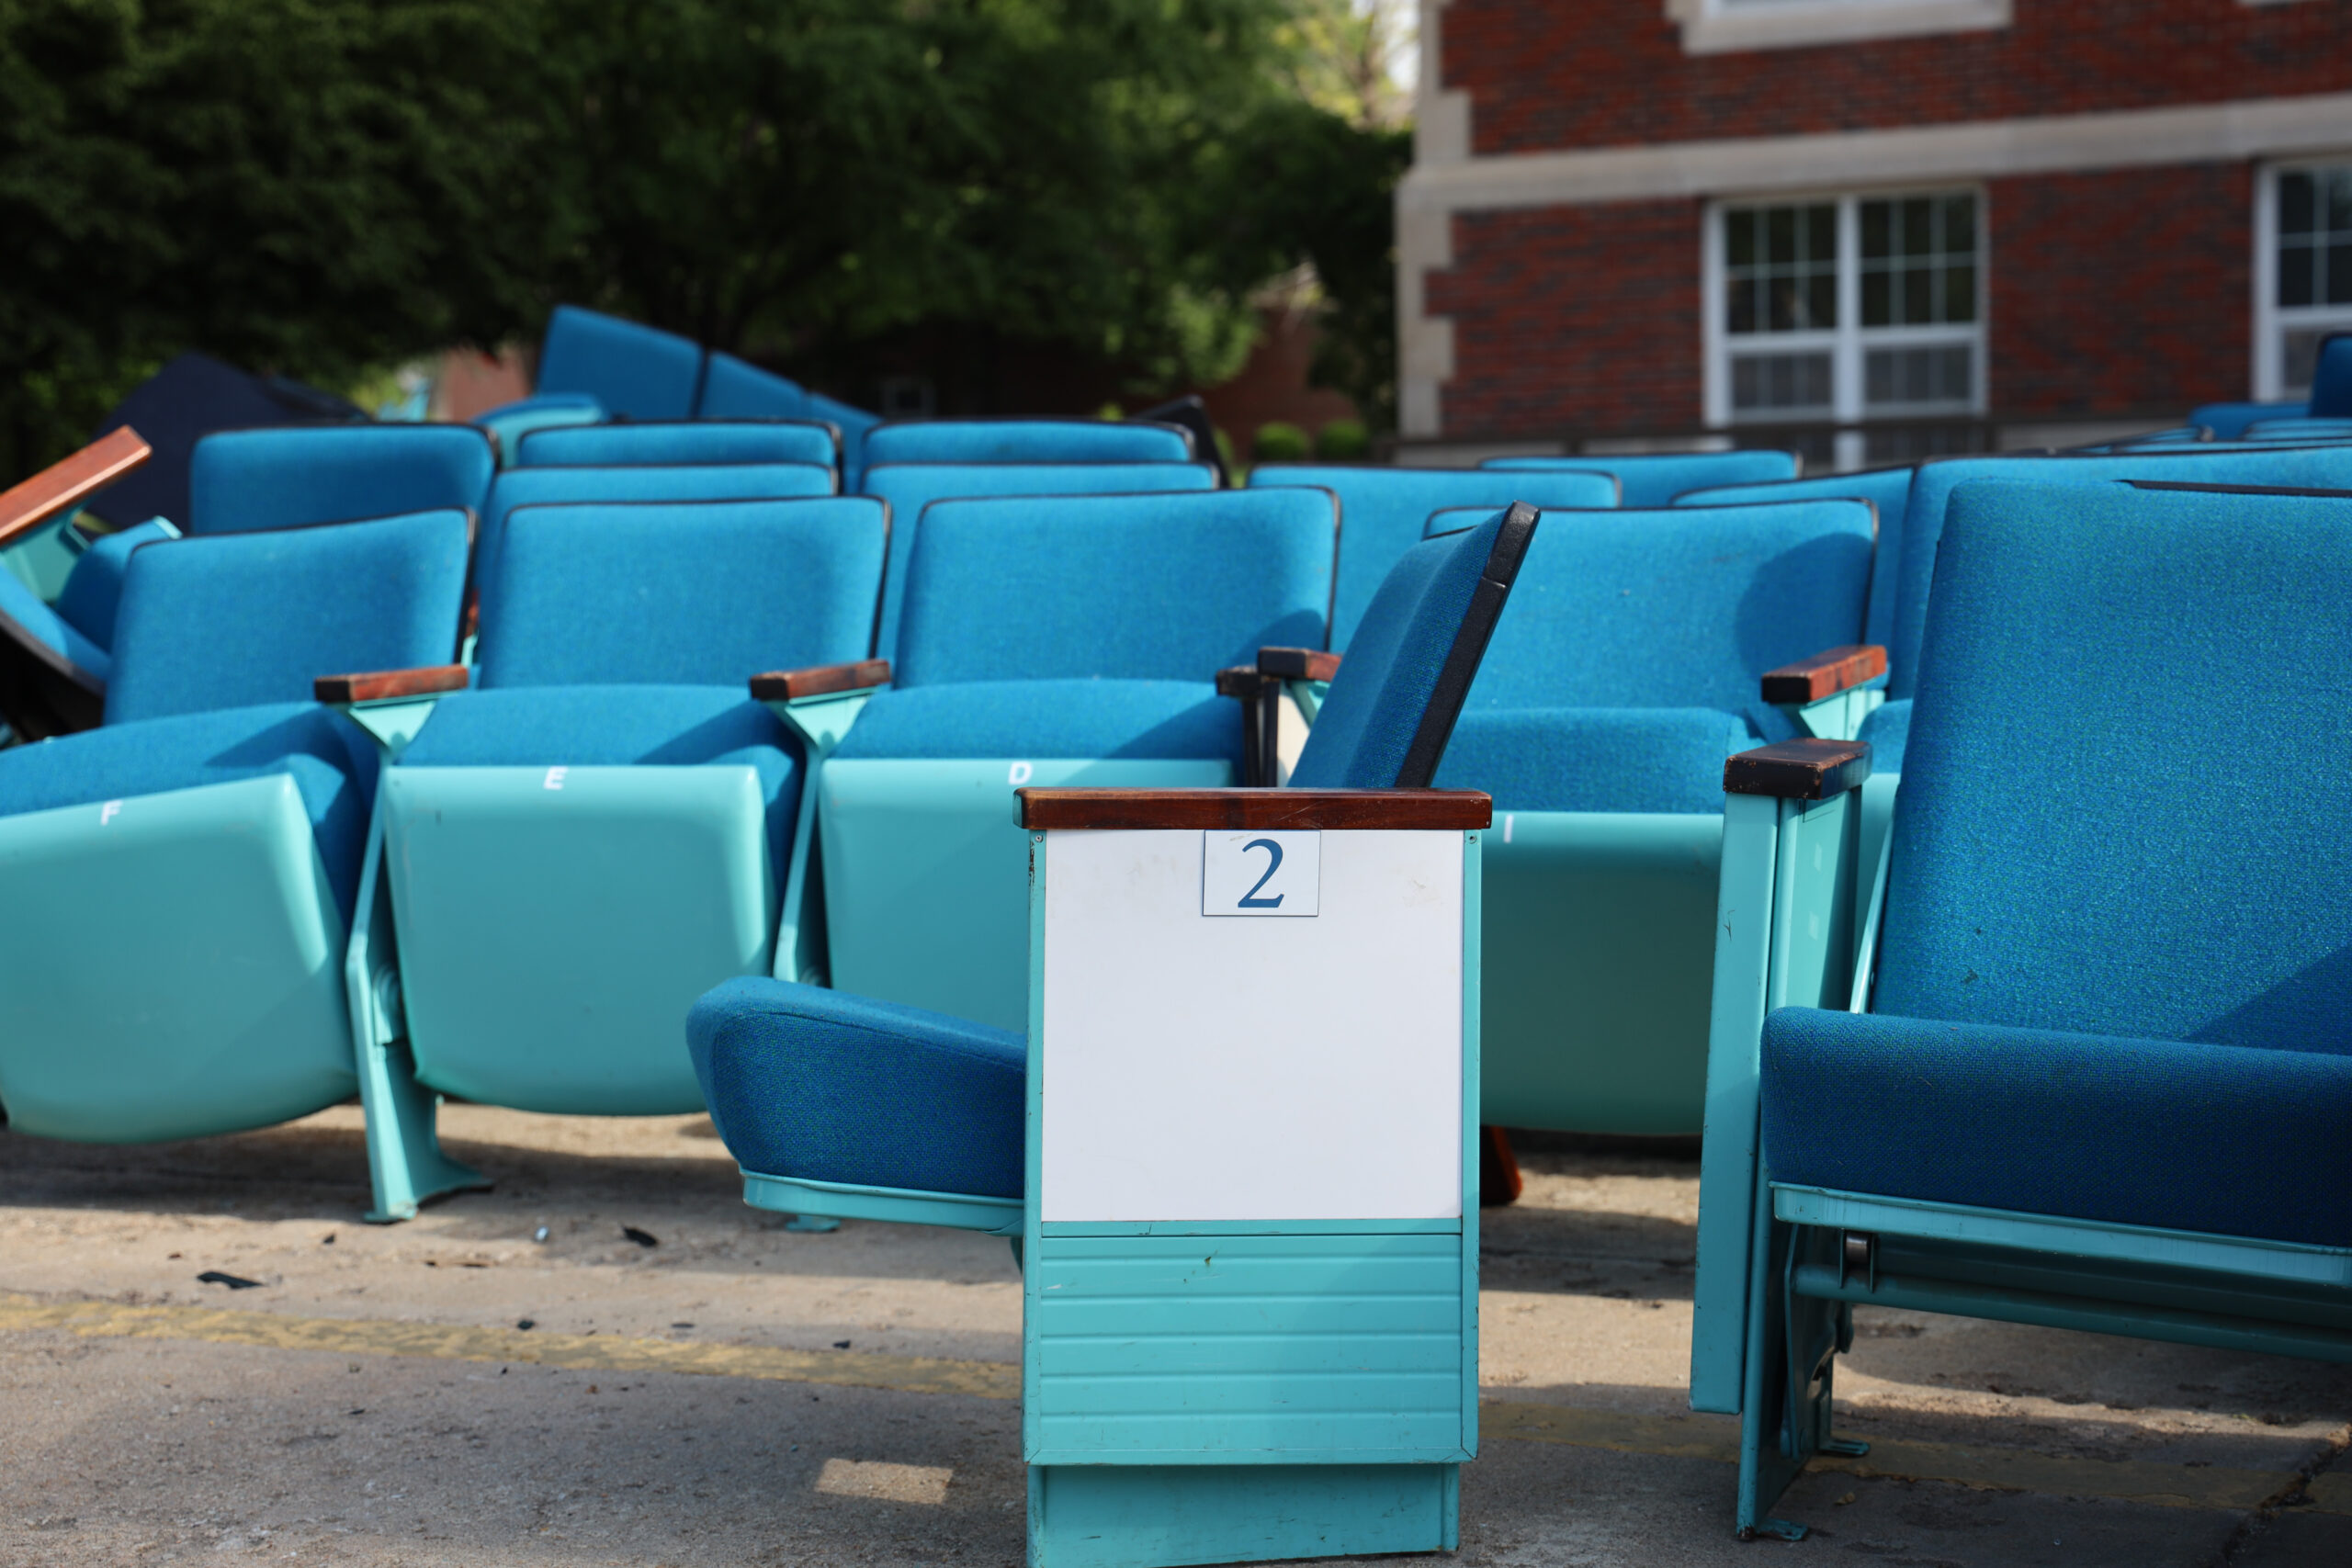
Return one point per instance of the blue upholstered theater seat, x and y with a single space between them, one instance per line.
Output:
2332 378
509 423
243 482
1026 441
2097 1068
633 371
1656 478
1383 511
671 443
1044 639
837 1103
1887 489
638 483
2308 429
911 487
2228 421
605 817
217 819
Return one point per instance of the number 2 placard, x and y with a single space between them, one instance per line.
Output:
1260 872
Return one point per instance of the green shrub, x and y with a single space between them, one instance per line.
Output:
1343 441
1278 442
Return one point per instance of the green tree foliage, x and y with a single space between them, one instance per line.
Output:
322 186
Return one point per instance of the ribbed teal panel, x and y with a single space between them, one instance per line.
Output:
1205 1348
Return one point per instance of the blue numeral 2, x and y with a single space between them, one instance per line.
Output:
1250 901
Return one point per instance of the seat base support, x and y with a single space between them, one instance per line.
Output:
1159 1516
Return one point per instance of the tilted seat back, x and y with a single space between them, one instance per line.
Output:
635 371
1656 478
735 389
2151 854
250 619
243 482
1026 441
688 593
1386 721
681 441
1383 511
1152 587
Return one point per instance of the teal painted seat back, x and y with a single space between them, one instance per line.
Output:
1151 587
1681 607
671 442
1648 479
2171 863
1887 489
635 371
1384 723
911 487
2314 468
241 481
250 619
697 481
688 593
1384 510
1026 441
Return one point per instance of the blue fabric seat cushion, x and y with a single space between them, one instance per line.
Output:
1887 728
1647 759
828 1087
2225 1140
331 760
1159 719
535 727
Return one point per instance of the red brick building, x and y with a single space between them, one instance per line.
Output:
1870 227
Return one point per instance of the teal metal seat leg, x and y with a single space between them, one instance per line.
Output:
1794 1343
405 1164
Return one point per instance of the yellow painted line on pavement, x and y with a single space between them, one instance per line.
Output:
1712 1438
2008 1469
379 1336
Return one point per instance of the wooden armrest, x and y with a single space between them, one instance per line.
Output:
64 483
819 681
1299 663
1394 809
1826 675
1799 770
1241 680
379 684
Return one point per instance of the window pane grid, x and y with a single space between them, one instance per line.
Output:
1918 266
1780 268
2315 237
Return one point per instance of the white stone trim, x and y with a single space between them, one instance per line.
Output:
1835 163
1710 26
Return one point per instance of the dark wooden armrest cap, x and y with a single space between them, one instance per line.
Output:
1299 663
1799 770
69 480
1241 680
1391 809
819 681
379 684
1826 675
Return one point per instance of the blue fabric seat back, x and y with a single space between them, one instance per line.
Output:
2306 468
1678 607
1656 478
853 423
2153 854
1386 721
250 619
241 481
1026 441
635 371
2229 421
703 482
680 441
911 487
1887 489
1384 510
735 389
1154 587
2331 379
688 594
93 590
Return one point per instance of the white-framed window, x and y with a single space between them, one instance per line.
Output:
1719 26
1842 311
2302 269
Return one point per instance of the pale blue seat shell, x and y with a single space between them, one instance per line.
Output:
1656 478
241 481
911 487
1384 510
